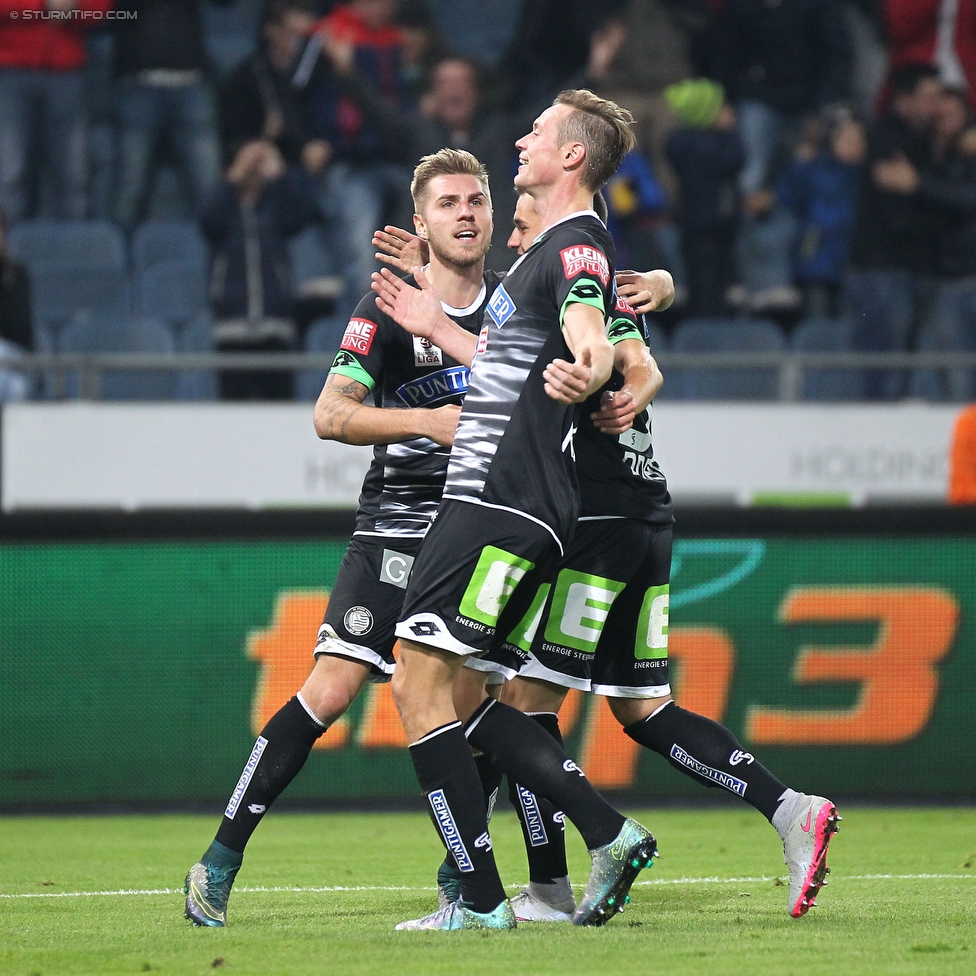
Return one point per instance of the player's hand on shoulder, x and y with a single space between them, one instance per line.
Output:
616 413
652 291
566 382
443 423
400 249
415 309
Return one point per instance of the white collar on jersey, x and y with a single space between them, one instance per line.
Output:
471 309
562 220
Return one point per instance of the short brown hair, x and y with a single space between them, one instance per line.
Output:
603 127
446 162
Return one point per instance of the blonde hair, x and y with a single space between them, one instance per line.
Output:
446 162
603 127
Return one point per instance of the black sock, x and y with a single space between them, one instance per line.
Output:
523 749
279 753
708 752
543 826
491 779
449 778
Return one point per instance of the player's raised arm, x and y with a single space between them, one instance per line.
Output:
419 311
650 291
341 415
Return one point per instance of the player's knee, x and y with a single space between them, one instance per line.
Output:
400 688
627 711
332 687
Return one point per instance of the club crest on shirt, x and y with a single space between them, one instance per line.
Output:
582 257
501 307
358 336
425 353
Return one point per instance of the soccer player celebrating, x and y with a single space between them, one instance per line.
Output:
417 390
621 556
621 553
509 508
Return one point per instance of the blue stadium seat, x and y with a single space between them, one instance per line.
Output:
61 291
174 291
313 266
323 335
728 335
168 240
121 333
96 243
656 338
827 335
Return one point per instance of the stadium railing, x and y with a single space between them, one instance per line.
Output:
790 365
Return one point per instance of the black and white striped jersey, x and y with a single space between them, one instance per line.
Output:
618 475
405 481
514 443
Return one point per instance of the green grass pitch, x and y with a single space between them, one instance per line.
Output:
320 894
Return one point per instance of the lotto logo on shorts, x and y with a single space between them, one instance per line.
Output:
358 336
584 258
449 831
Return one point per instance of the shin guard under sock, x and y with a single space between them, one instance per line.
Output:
449 778
279 753
543 826
710 753
523 749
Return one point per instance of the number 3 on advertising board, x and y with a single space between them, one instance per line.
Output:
898 675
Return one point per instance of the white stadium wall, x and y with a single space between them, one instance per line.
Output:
135 456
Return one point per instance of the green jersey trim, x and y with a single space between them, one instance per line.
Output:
585 291
355 372
623 328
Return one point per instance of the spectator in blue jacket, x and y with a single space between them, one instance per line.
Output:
706 154
634 199
248 219
820 188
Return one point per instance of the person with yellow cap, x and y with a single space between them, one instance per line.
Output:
707 155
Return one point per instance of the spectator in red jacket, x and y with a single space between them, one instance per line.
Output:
42 104
937 32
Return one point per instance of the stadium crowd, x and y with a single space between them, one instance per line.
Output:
804 165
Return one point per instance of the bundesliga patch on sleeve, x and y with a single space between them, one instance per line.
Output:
358 336
583 258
